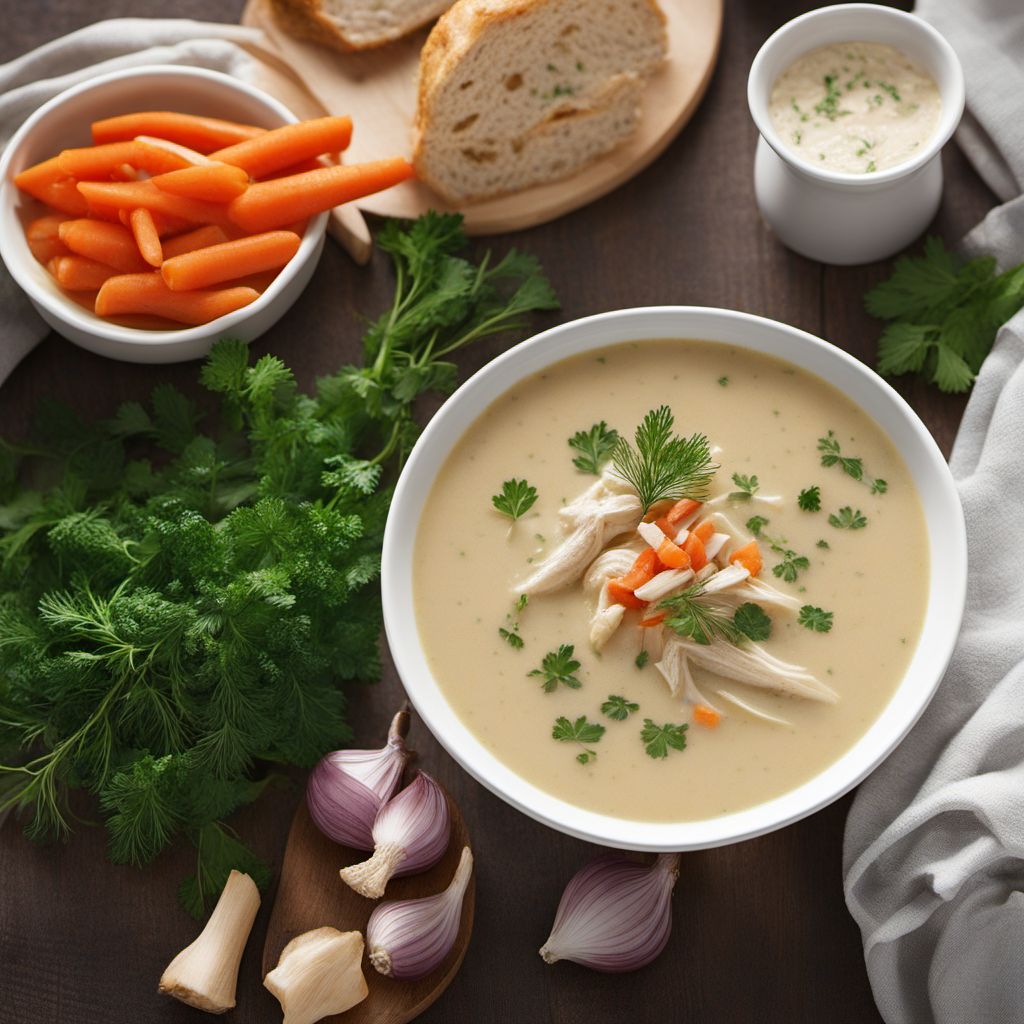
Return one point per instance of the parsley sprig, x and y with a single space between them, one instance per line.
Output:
692 615
510 631
847 519
558 667
791 564
832 455
659 739
815 619
618 708
664 466
809 499
746 487
517 497
595 447
579 731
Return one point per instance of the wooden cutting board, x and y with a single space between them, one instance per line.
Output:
310 895
377 89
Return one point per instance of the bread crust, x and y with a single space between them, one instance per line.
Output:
305 19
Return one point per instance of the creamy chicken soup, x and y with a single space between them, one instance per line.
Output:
790 599
855 107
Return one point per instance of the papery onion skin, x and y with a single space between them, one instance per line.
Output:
347 788
615 914
408 939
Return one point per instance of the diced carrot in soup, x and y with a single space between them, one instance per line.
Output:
644 568
704 530
694 547
707 716
672 555
749 556
681 509
650 621
618 594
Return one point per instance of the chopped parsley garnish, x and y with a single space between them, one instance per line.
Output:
510 632
618 708
890 89
815 619
516 498
824 544
871 167
750 619
792 564
723 382
746 487
828 105
832 455
641 659
847 519
595 447
580 731
755 524
558 667
664 466
658 738
809 499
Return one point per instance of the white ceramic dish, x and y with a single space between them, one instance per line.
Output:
943 515
850 218
64 122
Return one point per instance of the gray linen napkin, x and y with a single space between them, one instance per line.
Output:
934 851
29 81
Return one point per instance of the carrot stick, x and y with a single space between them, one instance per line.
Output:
643 569
146 236
199 133
694 547
79 273
749 556
681 509
230 260
97 211
704 530
672 555
272 204
111 244
281 147
618 594
653 620
96 163
132 194
219 183
147 293
43 237
48 183
704 714
199 238
37 177
164 225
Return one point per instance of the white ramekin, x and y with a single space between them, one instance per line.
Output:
834 216
64 122
943 515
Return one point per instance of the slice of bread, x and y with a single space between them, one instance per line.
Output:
348 25
516 93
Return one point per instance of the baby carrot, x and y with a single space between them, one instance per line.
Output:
132 194
164 225
79 273
281 147
43 237
111 244
147 293
199 133
96 163
230 260
749 556
672 555
273 204
146 236
218 183
704 714
199 238
48 183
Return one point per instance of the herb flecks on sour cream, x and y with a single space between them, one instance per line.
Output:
857 107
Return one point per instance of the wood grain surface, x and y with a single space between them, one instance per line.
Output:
761 931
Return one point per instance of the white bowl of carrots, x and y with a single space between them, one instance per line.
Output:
149 212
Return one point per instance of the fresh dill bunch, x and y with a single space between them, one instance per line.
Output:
663 466
699 620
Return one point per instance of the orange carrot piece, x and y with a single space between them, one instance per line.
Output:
43 237
36 178
131 194
672 555
230 260
704 530
643 569
681 509
164 225
694 547
618 594
704 714
217 184
281 147
200 133
147 238
97 163
273 204
49 184
111 244
749 556
653 620
147 293
79 273
199 238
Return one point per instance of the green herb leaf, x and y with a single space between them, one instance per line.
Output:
746 487
755 524
516 498
815 619
559 667
791 564
595 447
750 619
831 455
641 659
824 544
579 731
699 620
809 499
847 519
723 382
511 636
664 466
618 708
657 739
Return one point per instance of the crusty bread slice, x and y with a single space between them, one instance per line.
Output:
515 93
348 25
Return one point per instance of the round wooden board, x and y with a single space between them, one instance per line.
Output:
311 895
378 90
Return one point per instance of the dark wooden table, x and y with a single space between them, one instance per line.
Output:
761 931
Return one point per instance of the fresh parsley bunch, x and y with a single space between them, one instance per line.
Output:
944 314
181 601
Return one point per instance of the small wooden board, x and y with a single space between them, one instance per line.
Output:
378 90
311 895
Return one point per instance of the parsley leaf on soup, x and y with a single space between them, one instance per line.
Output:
847 519
815 619
809 499
516 498
746 487
558 667
618 708
658 739
595 447
579 731
750 619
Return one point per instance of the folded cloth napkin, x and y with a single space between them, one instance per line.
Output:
934 850
29 81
